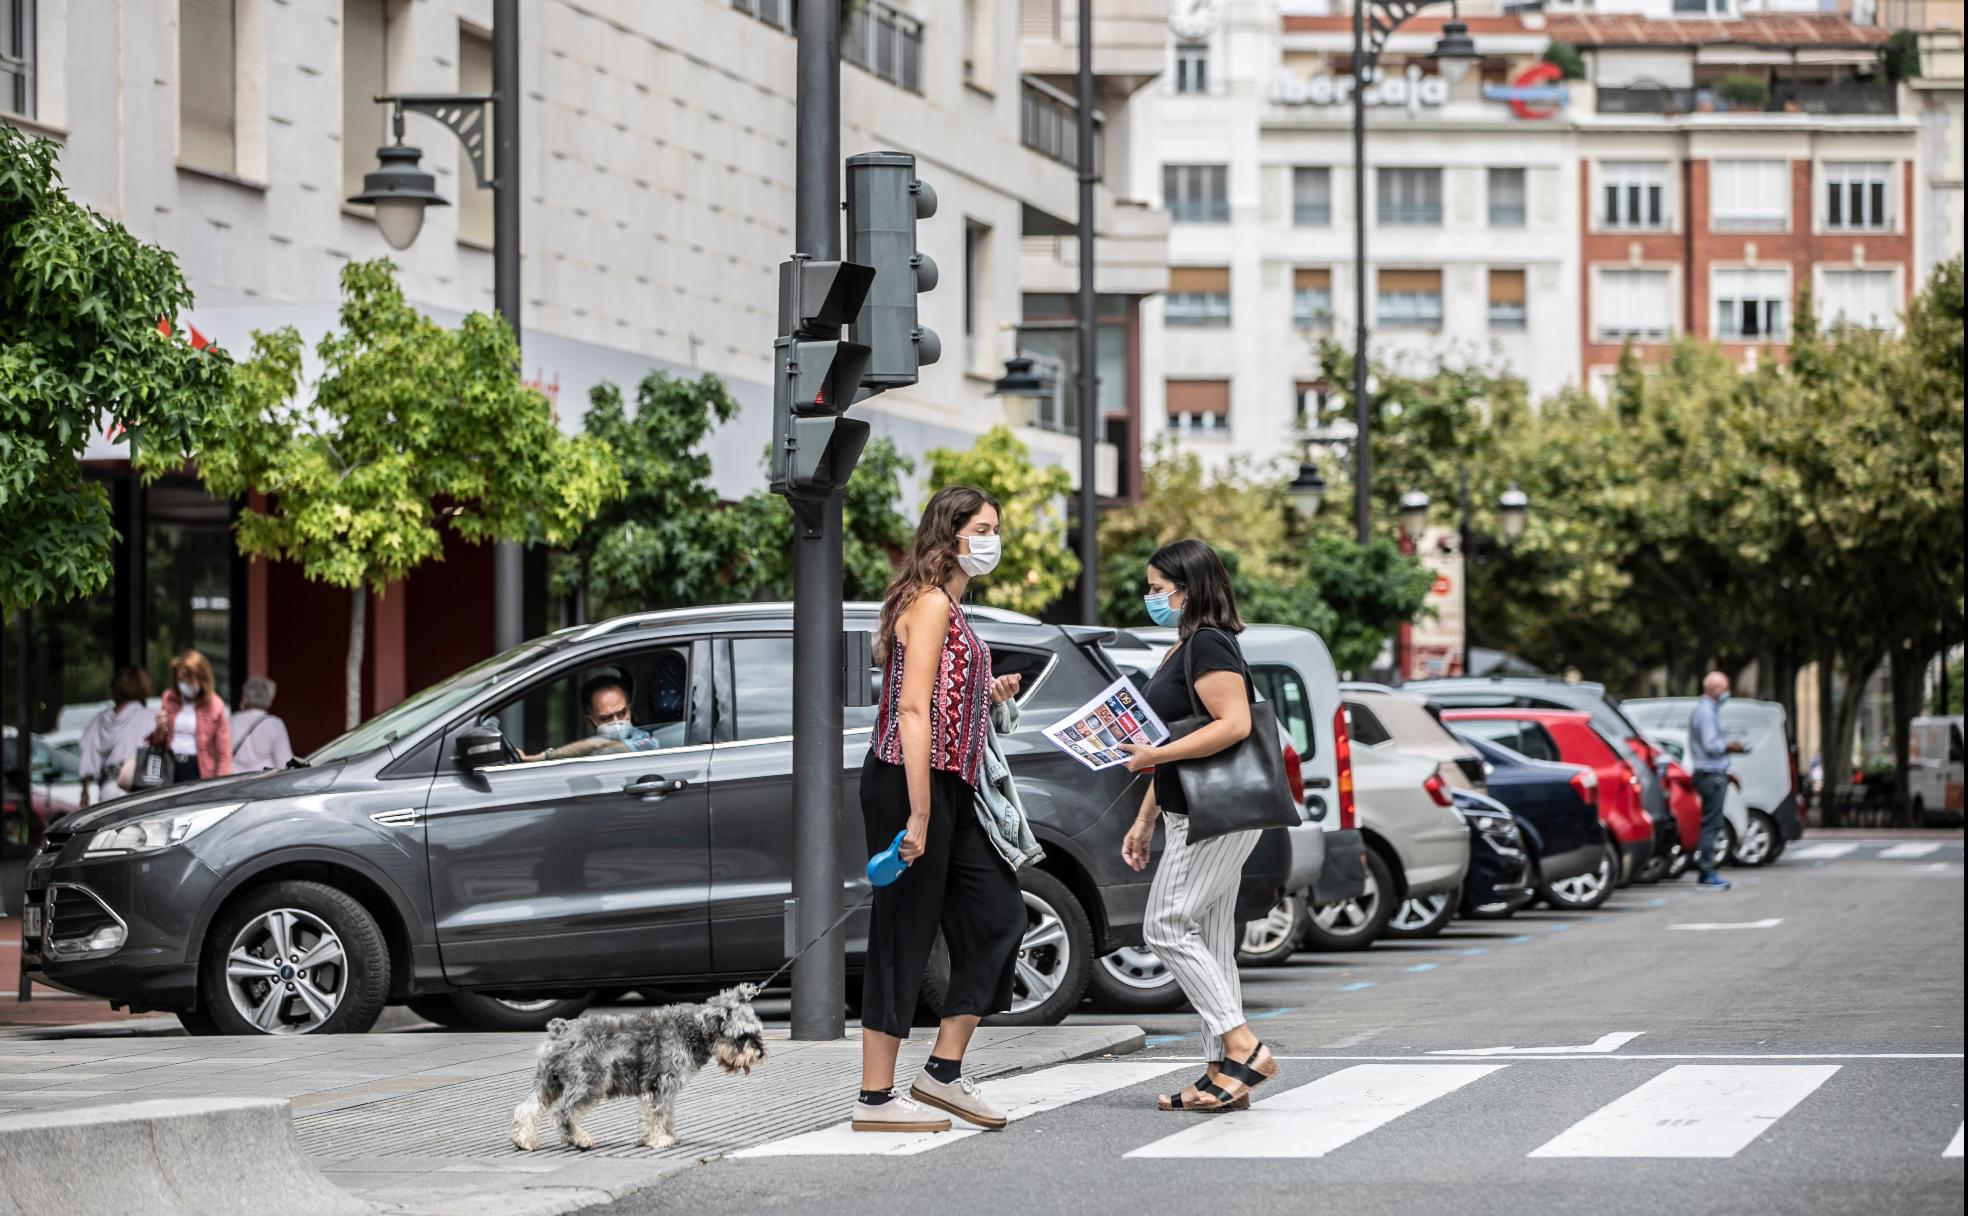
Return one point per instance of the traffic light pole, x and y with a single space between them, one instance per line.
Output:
508 557
1089 389
819 988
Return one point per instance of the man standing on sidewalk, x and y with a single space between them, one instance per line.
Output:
1708 754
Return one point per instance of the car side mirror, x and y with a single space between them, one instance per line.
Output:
480 747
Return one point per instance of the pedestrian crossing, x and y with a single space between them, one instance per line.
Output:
1679 1111
1873 850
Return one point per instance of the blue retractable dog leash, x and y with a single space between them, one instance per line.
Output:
882 869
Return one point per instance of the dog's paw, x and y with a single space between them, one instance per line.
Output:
660 1140
581 1140
526 1142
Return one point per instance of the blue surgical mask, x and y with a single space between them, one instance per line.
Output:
616 730
1159 610
1723 699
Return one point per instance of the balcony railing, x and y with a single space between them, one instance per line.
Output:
1049 124
876 37
1786 97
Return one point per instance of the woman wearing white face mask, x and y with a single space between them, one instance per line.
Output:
193 723
920 779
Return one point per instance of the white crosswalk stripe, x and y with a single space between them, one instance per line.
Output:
1313 1120
1954 1146
1691 1110
1911 851
1824 852
1018 1097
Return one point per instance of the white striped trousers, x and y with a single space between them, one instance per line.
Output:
1191 923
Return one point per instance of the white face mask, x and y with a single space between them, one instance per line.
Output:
187 690
983 555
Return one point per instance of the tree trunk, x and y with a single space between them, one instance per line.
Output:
1858 670
1908 680
352 673
1828 812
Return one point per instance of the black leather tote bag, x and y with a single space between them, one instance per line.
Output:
1241 788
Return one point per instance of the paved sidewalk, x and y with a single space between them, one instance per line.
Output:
417 1122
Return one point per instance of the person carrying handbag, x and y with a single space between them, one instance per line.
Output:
1219 781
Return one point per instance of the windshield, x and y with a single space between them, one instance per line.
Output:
408 717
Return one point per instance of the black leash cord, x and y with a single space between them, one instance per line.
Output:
865 901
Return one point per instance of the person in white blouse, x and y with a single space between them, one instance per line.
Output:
115 734
259 740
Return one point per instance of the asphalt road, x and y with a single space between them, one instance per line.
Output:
1804 1059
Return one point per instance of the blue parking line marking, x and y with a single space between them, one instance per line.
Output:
1424 967
1355 986
1156 1040
1655 903
1268 1013
1475 950
1518 941
1560 928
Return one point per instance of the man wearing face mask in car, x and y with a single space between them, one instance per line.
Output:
607 699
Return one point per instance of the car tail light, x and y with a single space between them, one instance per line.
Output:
1792 753
1586 782
1438 790
1343 757
1646 751
1632 778
1294 778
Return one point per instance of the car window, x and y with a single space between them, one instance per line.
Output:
762 688
554 718
1954 745
1285 689
1362 727
1496 730
1028 665
1536 742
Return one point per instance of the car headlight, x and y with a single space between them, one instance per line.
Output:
1499 831
154 832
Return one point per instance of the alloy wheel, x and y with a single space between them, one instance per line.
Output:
1581 888
1755 847
1044 956
1269 932
286 972
1349 916
527 1006
1136 967
1420 912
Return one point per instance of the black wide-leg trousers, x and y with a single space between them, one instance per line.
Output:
959 885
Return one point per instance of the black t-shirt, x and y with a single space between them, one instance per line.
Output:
1206 650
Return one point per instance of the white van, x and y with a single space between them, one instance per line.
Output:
1766 771
1934 771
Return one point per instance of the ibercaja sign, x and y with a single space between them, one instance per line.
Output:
1534 94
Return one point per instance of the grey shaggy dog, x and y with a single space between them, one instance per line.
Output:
649 1056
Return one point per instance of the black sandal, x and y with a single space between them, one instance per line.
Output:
1244 1074
1203 1085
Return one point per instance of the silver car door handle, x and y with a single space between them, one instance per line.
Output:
654 787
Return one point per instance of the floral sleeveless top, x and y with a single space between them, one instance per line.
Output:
959 703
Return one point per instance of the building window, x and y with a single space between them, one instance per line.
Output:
1311 298
1855 196
1748 195
474 76
1312 196
1198 295
1704 8
977 296
1508 309
1507 192
1859 297
208 121
875 36
17 57
1749 304
1409 299
1310 401
1192 67
1409 197
365 74
1197 194
1198 407
1634 195
1633 304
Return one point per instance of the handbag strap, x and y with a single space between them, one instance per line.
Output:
1189 669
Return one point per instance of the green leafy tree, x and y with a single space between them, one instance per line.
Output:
665 542
1036 567
872 532
81 350
409 428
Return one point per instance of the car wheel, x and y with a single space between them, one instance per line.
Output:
1354 924
438 1011
1678 861
1758 844
1270 940
1424 915
1055 956
1654 870
295 958
1583 892
197 1023
476 1011
1133 980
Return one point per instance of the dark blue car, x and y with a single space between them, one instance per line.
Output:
1573 864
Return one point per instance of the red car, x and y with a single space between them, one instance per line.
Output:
1684 802
1571 738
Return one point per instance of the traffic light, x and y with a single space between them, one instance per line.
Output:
816 377
884 201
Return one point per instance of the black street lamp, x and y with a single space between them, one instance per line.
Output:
400 191
1513 508
1374 21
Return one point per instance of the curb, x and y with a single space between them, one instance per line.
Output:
171 1157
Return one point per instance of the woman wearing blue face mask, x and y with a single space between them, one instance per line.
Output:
1191 919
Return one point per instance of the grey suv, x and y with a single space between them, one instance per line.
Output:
443 854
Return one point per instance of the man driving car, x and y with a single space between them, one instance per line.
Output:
607 699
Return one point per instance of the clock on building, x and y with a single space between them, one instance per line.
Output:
1193 20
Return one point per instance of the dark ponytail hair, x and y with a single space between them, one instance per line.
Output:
1198 573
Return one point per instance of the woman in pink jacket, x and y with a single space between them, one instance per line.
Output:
193 724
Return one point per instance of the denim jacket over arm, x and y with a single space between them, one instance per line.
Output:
998 808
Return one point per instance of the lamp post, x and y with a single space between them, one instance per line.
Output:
400 191
1456 52
1513 508
1089 371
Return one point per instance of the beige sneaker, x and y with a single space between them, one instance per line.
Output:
898 1114
961 1098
